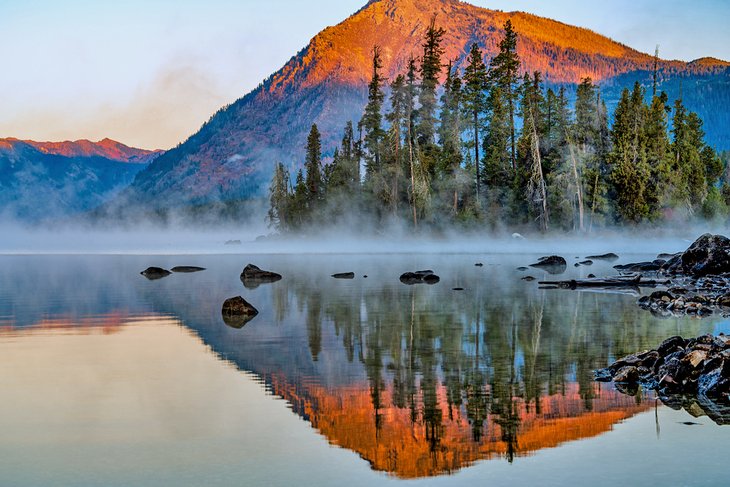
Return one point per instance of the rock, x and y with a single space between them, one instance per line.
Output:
661 296
237 312
591 276
517 236
344 275
585 262
671 345
553 264
154 273
523 269
458 289
640 266
431 279
609 257
626 374
528 278
708 255
668 256
252 277
184 269
478 264
419 277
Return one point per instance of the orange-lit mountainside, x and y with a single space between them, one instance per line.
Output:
48 179
233 154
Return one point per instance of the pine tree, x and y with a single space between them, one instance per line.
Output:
397 117
313 167
372 121
449 131
629 170
279 198
431 67
475 105
504 74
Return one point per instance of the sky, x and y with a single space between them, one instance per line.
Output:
149 72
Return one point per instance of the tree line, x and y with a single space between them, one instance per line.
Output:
490 147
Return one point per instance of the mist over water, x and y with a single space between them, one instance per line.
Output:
255 237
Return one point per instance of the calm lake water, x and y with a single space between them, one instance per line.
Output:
108 378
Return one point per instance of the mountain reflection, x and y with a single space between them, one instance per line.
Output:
451 381
419 381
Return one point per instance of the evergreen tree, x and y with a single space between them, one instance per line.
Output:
504 75
450 130
313 167
279 198
372 121
629 170
475 105
431 67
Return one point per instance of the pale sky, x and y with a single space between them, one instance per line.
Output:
149 72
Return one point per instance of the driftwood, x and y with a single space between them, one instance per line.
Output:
606 282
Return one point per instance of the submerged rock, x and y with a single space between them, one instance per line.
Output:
344 275
553 264
185 269
237 312
610 257
154 273
252 277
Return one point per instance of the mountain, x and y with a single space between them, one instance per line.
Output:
40 180
233 154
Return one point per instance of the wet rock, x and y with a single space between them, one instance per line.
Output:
478 264
431 279
591 276
668 256
585 263
458 289
626 374
708 255
154 273
640 266
237 312
671 345
252 277
523 269
698 367
419 277
185 269
608 257
553 264
344 275
528 278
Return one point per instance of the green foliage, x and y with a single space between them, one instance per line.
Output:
460 160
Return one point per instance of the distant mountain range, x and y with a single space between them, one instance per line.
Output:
45 180
232 156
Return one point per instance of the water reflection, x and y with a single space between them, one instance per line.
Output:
417 380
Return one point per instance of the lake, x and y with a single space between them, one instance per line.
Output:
108 378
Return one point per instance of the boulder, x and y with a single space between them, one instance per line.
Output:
708 255
344 275
252 277
237 312
154 273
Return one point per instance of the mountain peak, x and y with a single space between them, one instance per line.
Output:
326 83
106 148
